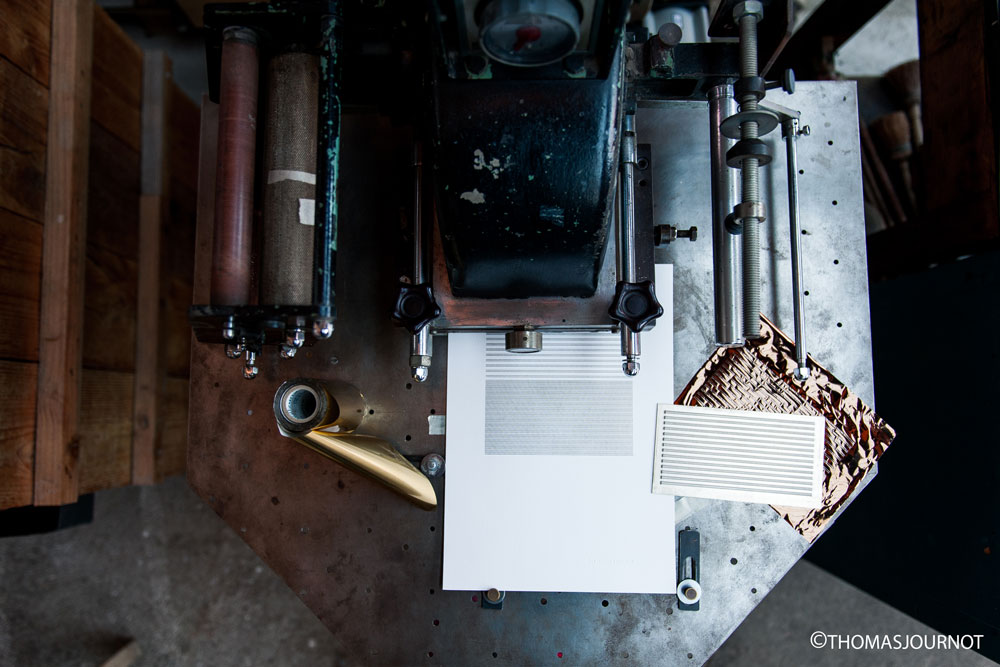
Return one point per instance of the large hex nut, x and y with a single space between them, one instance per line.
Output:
748 8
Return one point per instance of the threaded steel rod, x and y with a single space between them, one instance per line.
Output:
751 185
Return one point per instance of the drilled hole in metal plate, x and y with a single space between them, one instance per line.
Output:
432 591
408 438
409 385
299 404
834 202
432 529
829 143
690 656
836 261
406 547
604 603
437 622
642 163
494 654
430 654
754 591
433 411
733 561
840 324
643 183
752 529
371 412
806 292
802 171
544 601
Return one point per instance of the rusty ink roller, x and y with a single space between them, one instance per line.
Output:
323 415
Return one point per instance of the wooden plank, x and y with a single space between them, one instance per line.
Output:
171 455
59 350
105 430
958 156
149 343
113 202
183 137
18 389
207 151
117 100
20 274
24 38
109 318
125 657
179 235
175 330
24 104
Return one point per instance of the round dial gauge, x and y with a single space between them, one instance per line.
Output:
529 33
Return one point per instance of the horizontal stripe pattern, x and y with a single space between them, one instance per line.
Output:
570 399
749 456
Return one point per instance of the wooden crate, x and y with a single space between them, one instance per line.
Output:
97 154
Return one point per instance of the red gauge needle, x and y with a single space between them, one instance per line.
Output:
527 34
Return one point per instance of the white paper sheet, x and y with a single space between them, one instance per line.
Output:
576 513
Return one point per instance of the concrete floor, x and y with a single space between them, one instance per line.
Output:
159 566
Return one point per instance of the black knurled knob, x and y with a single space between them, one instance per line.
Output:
415 306
635 304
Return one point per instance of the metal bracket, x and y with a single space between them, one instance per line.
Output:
688 570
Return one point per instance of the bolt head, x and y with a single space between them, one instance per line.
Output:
229 333
288 351
631 367
419 373
250 372
295 338
748 8
322 329
432 465
234 350
802 374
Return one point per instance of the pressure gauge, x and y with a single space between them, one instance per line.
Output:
528 33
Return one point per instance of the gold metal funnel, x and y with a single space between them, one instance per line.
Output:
324 415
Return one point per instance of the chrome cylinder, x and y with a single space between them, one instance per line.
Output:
421 347
631 349
791 130
726 246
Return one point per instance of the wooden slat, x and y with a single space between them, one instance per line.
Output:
171 455
109 318
18 387
117 100
113 203
183 137
958 156
24 104
105 430
59 352
20 275
175 329
207 143
24 37
149 343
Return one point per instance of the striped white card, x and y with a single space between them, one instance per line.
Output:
752 457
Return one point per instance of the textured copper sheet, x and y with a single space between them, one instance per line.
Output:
759 377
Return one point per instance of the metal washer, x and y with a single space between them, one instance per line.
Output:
766 121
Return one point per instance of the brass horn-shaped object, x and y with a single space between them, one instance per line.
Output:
323 415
